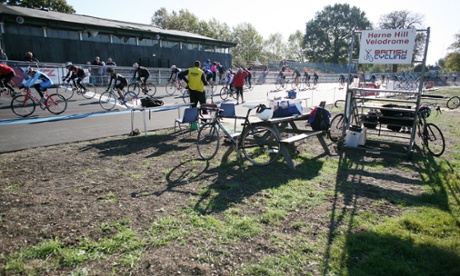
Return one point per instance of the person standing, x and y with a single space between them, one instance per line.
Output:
3 56
30 57
195 79
96 71
238 82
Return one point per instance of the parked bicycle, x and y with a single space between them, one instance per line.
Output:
68 89
430 134
259 143
136 86
109 99
25 103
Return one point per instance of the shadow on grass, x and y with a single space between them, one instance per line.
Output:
370 253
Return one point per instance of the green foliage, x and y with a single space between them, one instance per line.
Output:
328 34
453 62
54 5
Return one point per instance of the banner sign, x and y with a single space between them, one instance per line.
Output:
387 46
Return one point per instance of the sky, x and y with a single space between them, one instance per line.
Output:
442 16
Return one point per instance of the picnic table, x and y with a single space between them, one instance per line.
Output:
287 125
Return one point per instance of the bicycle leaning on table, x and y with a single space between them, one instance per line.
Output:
258 142
109 99
136 86
25 103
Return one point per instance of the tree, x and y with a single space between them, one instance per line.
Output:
294 48
249 44
327 35
405 20
53 5
453 62
274 48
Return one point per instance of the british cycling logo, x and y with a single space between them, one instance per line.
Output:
372 55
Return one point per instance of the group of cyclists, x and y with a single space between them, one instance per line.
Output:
41 82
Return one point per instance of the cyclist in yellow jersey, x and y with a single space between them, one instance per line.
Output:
195 79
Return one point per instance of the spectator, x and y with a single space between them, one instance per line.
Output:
3 56
221 70
238 82
195 79
44 82
207 73
30 57
110 62
96 70
214 71
207 64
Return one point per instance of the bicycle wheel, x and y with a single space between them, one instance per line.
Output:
151 89
22 106
130 99
208 141
134 87
66 89
108 100
336 128
56 103
339 104
433 139
186 95
260 145
224 93
453 102
278 85
90 92
170 88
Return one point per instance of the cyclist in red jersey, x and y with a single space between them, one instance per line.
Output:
75 72
6 75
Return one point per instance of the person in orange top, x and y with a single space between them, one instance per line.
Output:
6 75
238 83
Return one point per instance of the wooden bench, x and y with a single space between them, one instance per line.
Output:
302 136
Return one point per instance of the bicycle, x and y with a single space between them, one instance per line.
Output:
109 99
281 83
174 85
7 92
136 86
430 134
227 92
259 143
68 89
24 104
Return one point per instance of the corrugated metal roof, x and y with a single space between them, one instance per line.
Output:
95 21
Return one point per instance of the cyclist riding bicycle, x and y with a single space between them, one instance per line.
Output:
296 75
75 72
174 73
40 81
141 74
119 82
6 75
315 77
341 79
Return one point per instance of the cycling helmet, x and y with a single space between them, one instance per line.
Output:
173 67
264 113
68 64
109 70
135 64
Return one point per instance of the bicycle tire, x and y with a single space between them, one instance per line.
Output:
90 92
453 102
433 139
108 100
336 128
56 103
134 87
260 145
66 89
278 85
130 100
224 93
186 95
170 88
22 106
208 141
151 89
